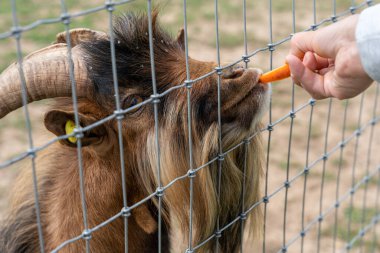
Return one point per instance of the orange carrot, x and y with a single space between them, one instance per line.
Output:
276 74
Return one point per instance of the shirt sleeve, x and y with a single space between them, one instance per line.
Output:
368 41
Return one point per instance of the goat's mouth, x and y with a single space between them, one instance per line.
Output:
245 100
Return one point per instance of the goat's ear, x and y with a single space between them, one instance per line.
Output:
80 35
181 38
62 122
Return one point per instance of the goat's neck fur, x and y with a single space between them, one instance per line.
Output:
174 162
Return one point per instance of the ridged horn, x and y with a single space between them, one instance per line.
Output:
46 73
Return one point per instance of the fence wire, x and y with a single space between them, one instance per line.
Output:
372 172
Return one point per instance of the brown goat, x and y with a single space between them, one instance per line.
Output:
47 76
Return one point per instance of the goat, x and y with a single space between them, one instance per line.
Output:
244 100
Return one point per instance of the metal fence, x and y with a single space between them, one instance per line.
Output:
363 151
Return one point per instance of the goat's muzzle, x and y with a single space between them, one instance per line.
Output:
242 97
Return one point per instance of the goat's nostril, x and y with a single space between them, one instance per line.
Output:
233 72
238 72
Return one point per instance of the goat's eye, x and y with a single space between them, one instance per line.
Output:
132 101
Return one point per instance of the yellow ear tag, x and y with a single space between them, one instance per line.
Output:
69 128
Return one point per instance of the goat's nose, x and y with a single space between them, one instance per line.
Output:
233 72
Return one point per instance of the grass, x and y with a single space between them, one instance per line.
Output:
357 215
281 6
17 124
374 181
14 122
228 40
316 131
356 220
294 165
198 12
43 35
6 58
336 162
368 243
329 177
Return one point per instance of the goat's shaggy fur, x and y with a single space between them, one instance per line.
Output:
58 174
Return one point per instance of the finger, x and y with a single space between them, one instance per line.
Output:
296 66
326 70
312 82
315 62
301 43
296 82
323 62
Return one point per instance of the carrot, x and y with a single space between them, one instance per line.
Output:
276 74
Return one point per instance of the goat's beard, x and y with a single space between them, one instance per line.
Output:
206 206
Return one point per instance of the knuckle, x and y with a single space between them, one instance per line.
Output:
296 38
340 96
343 70
344 67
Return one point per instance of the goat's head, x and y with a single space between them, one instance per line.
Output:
243 99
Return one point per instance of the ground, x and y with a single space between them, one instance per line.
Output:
201 24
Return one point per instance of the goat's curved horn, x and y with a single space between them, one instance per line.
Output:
46 72
79 35
46 75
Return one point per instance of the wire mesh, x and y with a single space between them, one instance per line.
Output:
325 211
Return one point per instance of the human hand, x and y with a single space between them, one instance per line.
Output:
326 62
